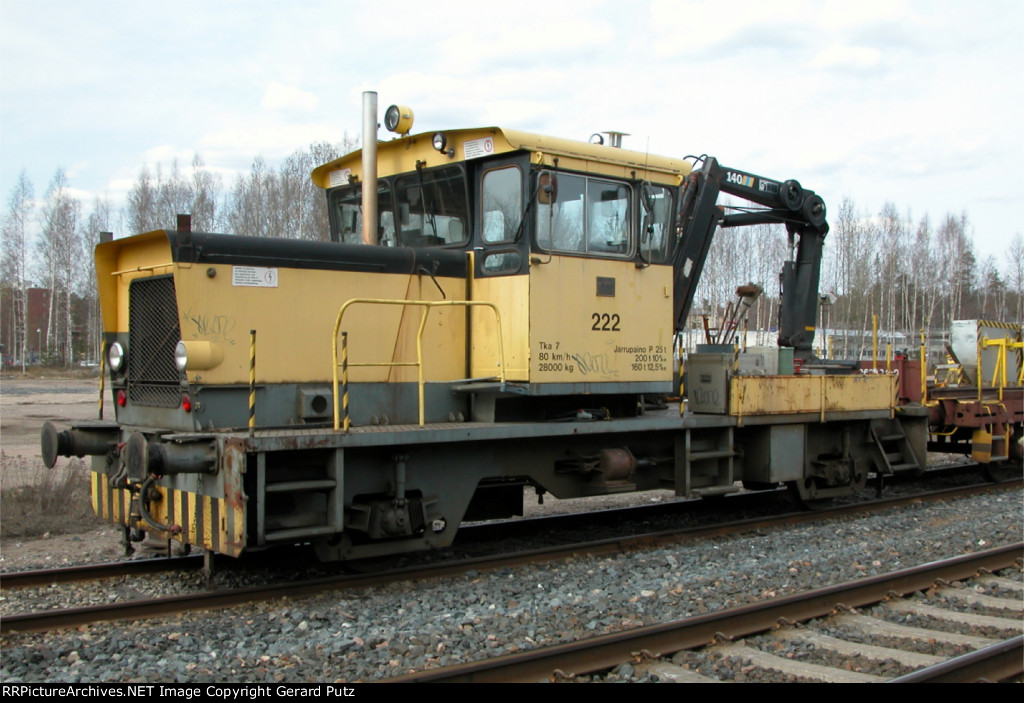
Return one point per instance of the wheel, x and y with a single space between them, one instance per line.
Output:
810 496
1002 471
805 492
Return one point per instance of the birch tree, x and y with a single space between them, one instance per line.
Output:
1015 275
173 197
205 190
254 201
59 252
99 220
140 212
15 261
892 254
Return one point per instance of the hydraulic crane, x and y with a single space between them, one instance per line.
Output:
801 210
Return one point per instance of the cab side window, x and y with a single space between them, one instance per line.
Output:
502 205
655 219
607 217
587 216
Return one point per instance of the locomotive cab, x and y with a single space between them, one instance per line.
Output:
569 241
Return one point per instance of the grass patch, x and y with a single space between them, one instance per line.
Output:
49 372
35 500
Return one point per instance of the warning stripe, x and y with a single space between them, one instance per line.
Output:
206 521
1000 325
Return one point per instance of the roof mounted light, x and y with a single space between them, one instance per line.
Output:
398 119
440 142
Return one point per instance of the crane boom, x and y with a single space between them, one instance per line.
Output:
785 202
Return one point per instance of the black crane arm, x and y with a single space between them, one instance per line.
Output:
801 210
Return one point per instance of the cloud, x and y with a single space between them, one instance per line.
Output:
288 97
165 153
76 168
81 195
712 29
839 56
466 52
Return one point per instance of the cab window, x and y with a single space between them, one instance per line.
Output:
432 208
502 201
655 218
348 215
587 216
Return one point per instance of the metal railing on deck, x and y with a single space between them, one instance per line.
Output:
999 379
427 306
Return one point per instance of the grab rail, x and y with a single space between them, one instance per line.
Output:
427 306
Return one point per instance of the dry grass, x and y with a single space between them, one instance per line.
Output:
35 501
49 372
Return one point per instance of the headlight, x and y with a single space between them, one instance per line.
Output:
180 356
115 356
398 119
197 355
439 141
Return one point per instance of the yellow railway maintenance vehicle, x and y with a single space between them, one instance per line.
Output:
495 310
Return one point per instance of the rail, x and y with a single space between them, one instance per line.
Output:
427 306
606 651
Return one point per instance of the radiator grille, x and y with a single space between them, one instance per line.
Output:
153 332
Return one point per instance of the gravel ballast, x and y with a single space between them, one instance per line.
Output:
376 633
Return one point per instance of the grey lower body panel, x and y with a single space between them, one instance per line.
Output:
385 489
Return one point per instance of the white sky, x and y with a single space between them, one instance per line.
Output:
918 103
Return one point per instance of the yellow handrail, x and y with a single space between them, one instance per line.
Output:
874 342
427 306
999 372
924 370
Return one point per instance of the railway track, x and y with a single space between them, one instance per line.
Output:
748 639
139 608
93 572
684 513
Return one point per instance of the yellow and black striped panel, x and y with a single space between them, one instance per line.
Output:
1001 325
108 502
207 522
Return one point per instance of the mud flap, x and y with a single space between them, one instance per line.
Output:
981 445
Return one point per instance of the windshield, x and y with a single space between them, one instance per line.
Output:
348 215
433 209
421 209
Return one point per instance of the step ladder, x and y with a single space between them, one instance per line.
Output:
894 450
316 501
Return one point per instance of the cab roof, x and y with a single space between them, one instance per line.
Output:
401 155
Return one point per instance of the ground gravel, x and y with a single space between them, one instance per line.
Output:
371 634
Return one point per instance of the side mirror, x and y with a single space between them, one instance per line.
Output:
547 188
647 197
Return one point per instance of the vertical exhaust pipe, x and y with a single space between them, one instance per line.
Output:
369 167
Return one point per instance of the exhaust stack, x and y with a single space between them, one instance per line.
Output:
369 167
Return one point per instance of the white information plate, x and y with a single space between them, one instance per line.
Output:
340 177
475 148
254 276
